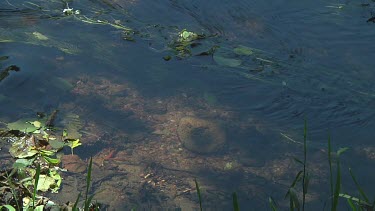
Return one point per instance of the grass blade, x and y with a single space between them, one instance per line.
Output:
337 187
272 204
236 207
76 203
199 194
330 170
360 190
37 174
304 190
293 199
352 206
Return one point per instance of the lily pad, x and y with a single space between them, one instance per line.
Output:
22 125
22 163
243 51
186 36
222 61
40 36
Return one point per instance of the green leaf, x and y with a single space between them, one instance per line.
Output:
47 152
222 61
272 204
65 133
40 36
294 202
355 199
51 160
45 182
28 152
36 124
351 204
298 160
39 208
360 190
342 150
199 193
236 207
57 177
243 51
186 36
22 163
56 144
22 125
76 143
36 184
76 203
9 207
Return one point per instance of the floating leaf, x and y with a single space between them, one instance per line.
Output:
56 144
220 60
36 124
22 163
186 36
40 36
22 125
243 51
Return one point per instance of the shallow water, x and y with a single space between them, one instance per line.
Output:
320 70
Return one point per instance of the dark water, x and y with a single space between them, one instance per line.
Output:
321 70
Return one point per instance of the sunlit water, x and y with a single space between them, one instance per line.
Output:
322 62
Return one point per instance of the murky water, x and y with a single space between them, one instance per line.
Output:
312 60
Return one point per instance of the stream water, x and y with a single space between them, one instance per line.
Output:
309 60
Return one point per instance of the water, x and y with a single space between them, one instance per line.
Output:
129 98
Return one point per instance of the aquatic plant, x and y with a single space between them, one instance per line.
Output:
335 182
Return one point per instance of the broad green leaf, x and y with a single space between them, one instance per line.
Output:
45 182
22 163
222 61
243 51
186 36
22 125
36 124
56 144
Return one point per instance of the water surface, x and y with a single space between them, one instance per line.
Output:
314 62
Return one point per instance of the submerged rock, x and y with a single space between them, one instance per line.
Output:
200 135
73 163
